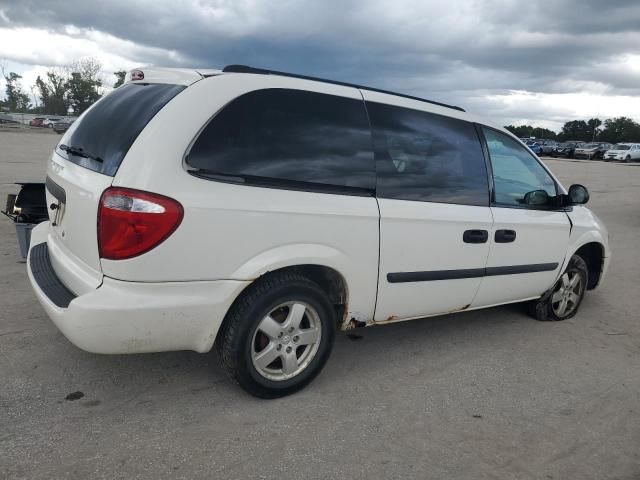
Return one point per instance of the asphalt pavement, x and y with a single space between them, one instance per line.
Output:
490 394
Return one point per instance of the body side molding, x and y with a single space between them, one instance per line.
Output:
403 277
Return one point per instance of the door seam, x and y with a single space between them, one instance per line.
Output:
486 260
378 280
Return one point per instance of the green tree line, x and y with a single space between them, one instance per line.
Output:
76 87
612 130
70 89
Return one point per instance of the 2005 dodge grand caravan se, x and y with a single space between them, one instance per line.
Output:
260 211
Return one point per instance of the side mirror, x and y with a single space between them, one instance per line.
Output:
536 198
578 194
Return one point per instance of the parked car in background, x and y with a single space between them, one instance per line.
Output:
37 122
535 147
565 149
547 146
48 122
62 126
625 152
223 232
591 150
8 121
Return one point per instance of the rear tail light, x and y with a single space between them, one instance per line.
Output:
132 222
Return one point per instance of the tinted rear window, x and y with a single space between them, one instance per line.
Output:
108 130
289 139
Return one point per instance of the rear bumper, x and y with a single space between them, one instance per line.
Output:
133 317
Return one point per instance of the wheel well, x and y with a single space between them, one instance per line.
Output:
329 280
592 254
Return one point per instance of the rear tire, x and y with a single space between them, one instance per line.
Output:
262 344
563 300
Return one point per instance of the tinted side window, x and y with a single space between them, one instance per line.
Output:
427 157
515 171
291 136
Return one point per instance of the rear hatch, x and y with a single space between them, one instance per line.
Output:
83 166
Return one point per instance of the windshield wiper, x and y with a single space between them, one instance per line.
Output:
79 152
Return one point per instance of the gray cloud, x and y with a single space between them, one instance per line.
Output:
456 51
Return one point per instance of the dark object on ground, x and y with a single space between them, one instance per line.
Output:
74 396
354 336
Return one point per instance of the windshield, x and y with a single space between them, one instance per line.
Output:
590 146
105 132
621 146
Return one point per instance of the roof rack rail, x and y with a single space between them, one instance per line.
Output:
263 71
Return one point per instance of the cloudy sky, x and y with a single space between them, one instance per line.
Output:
535 62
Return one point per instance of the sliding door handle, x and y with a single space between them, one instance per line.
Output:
505 236
475 236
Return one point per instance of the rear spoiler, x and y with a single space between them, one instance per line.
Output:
175 76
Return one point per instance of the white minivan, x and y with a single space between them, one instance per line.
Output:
260 212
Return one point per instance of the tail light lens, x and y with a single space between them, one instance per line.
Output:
132 222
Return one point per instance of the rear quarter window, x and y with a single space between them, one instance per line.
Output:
108 129
292 139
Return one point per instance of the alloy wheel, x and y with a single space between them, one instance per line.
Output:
566 297
286 341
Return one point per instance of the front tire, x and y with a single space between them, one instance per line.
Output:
563 300
628 159
278 336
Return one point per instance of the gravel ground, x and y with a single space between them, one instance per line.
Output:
478 395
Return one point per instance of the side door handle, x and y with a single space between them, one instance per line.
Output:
475 236
505 236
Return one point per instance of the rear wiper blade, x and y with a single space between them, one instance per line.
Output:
79 152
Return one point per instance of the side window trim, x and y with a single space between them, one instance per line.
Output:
487 161
544 167
373 144
283 184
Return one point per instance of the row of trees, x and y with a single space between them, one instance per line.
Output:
527 131
612 130
76 87
62 90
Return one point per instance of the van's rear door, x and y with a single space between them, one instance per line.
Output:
83 166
